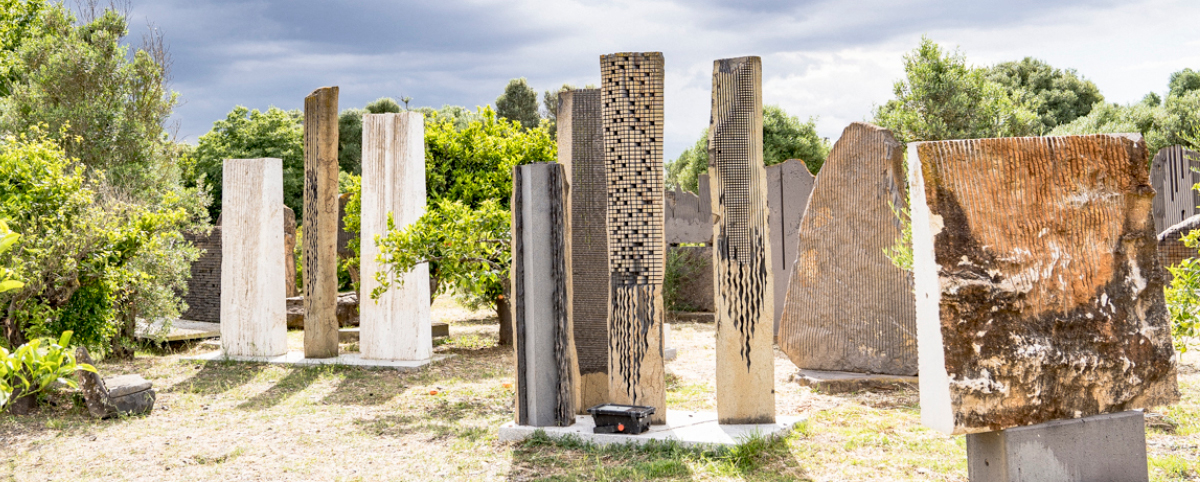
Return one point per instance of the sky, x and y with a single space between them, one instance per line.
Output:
832 60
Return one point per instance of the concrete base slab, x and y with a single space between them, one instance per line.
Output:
351 335
690 429
846 382
180 330
297 358
1110 447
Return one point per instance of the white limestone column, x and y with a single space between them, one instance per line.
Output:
396 326
253 311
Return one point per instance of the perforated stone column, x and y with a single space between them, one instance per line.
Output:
253 311
541 290
744 288
320 223
397 325
632 89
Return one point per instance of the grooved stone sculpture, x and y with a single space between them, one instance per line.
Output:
632 89
581 152
320 223
687 218
253 312
744 289
1172 177
541 288
1038 286
789 185
397 325
848 308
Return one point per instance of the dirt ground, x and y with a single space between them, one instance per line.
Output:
253 422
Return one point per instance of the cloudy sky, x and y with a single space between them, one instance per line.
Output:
834 60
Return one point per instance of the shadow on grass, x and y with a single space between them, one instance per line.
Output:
397 426
365 388
216 377
294 382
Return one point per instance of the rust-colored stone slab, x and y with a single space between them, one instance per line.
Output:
1038 286
848 308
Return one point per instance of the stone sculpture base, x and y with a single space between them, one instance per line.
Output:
690 429
1109 447
847 382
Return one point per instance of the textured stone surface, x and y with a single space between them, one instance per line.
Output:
744 290
123 395
289 252
203 297
632 96
1171 250
541 289
321 222
347 310
848 308
581 152
1103 448
789 185
253 320
397 325
1038 286
687 218
1172 176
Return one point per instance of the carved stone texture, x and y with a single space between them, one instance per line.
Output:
122 395
632 89
1038 286
320 223
289 252
581 152
203 296
788 186
1172 177
253 320
397 325
848 308
687 218
744 289
541 281
1171 250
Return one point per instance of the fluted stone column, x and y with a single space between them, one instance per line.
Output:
397 325
253 311
743 288
320 223
541 290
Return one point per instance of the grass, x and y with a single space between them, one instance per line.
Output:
231 421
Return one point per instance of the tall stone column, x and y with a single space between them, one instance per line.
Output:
320 223
632 90
541 290
397 325
744 290
253 311
581 152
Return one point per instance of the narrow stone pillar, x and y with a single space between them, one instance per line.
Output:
289 253
253 313
743 290
320 223
632 96
581 152
541 291
397 325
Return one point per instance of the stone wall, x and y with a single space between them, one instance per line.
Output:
204 288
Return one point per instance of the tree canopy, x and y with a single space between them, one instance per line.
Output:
1162 122
519 103
1058 95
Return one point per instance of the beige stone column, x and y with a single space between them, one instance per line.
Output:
253 312
320 223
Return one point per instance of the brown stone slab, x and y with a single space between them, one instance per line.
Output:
1038 285
320 223
848 308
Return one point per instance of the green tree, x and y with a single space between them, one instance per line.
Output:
1175 122
519 103
20 21
460 117
1182 82
784 137
1060 96
941 97
251 134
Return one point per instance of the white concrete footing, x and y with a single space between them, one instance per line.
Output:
346 359
690 429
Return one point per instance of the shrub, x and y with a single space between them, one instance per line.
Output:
32 368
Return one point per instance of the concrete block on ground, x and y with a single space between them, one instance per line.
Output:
1101 448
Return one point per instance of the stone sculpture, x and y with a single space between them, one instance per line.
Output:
581 152
541 289
253 319
396 326
632 89
848 307
1172 175
289 252
744 288
789 185
320 223
1038 286
1171 250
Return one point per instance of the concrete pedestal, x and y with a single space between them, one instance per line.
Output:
1109 447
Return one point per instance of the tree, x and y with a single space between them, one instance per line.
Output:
519 103
1060 96
251 134
350 123
784 137
1182 82
942 98
1176 121
20 21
